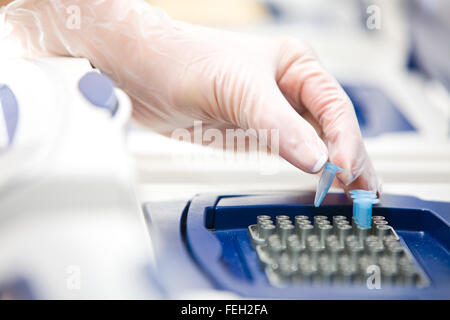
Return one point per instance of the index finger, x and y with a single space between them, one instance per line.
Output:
309 85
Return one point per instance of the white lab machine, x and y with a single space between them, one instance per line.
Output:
70 223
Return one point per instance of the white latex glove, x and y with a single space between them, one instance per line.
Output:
177 73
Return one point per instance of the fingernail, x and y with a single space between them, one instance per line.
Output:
320 163
350 177
379 188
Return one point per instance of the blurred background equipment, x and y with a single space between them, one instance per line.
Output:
215 12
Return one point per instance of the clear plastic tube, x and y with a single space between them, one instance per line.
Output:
326 179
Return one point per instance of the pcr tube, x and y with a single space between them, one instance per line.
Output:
326 179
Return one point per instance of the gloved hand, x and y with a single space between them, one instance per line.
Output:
176 73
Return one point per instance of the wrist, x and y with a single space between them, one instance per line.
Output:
82 29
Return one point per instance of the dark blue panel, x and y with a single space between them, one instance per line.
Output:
376 112
233 255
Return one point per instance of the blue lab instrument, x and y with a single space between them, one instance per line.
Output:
211 243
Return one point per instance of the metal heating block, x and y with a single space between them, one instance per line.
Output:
324 251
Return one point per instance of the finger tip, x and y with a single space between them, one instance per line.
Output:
346 177
321 160
379 188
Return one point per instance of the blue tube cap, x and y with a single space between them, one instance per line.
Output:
362 193
363 201
326 179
